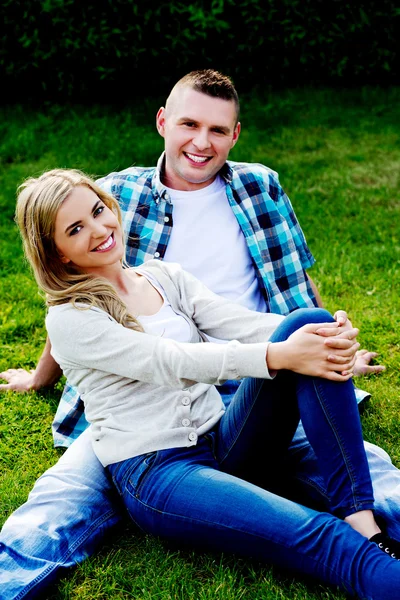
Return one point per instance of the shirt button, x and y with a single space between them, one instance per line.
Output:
192 436
156 254
166 219
166 197
185 401
185 422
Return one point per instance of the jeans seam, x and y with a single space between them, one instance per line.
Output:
354 487
244 421
51 568
222 526
311 483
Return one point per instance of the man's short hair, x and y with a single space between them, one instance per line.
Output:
212 83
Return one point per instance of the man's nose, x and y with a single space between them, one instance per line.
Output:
201 139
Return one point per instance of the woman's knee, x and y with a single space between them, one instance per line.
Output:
304 316
298 318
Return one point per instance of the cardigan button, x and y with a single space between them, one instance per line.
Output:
186 422
185 401
192 436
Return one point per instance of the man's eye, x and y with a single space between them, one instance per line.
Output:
190 124
220 131
98 211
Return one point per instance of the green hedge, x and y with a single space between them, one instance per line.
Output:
79 48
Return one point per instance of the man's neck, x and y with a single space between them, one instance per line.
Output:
184 186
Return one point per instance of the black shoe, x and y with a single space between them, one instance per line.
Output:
387 545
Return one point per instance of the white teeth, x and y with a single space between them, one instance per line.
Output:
106 244
198 159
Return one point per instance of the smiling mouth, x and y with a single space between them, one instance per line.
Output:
105 245
199 160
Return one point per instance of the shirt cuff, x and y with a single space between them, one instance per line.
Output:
251 361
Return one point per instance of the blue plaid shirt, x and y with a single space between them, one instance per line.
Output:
274 238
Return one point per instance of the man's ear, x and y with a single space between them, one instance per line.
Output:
236 133
160 121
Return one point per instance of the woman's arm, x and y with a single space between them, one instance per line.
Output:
90 339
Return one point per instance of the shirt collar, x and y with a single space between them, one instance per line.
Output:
159 189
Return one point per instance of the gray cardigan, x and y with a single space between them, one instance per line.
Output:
143 392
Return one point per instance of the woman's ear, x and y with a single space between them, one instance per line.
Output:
64 259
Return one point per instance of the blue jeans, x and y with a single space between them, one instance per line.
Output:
219 494
74 503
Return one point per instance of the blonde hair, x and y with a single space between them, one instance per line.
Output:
39 200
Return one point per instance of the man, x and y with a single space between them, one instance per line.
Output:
230 224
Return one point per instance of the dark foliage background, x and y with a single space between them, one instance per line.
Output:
110 49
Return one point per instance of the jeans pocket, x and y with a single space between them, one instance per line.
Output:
138 475
131 472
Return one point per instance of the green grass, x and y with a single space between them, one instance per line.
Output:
338 156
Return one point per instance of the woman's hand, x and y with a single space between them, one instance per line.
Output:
319 349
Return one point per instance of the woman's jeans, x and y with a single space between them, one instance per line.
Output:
74 504
206 496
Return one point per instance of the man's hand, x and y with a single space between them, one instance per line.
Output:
18 380
362 365
47 373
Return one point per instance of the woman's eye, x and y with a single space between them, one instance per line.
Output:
98 211
75 230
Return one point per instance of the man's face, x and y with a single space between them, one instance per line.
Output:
199 132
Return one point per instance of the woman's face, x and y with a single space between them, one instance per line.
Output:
87 233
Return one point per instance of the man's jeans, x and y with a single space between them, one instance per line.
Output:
74 503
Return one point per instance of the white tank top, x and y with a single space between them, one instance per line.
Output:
165 322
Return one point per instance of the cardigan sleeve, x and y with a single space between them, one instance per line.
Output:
88 338
212 314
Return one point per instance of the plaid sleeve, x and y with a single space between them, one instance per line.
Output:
69 421
286 209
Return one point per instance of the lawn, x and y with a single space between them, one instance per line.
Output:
338 156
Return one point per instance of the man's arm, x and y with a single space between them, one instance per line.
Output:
364 357
316 292
46 373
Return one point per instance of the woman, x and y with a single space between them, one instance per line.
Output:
187 470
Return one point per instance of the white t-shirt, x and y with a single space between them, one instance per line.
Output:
207 241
